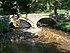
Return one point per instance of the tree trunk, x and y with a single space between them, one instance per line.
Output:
55 7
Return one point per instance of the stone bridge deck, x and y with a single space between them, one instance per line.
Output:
34 18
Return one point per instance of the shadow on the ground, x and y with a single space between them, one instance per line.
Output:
20 34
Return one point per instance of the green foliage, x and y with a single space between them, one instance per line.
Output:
1 11
65 25
24 5
31 6
8 6
12 6
4 24
1 26
65 4
62 11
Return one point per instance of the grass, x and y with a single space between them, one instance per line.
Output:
59 11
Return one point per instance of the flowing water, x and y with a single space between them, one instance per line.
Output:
35 40
46 40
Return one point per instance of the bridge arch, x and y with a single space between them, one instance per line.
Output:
46 22
35 21
39 18
16 22
28 21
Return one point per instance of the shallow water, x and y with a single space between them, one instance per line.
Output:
47 40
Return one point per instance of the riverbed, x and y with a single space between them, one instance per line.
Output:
35 40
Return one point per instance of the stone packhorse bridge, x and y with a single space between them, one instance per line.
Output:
33 18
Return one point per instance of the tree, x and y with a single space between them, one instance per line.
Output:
64 4
8 6
15 6
24 6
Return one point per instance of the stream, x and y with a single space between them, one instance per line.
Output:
35 40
